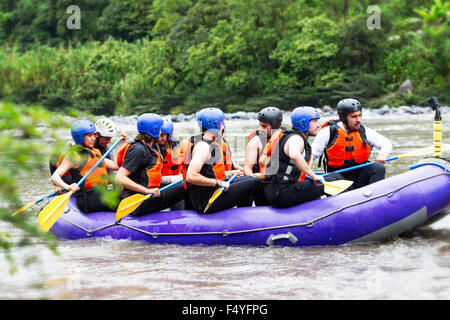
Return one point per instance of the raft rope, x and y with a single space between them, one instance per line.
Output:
225 233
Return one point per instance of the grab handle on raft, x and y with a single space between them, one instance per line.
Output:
440 164
289 236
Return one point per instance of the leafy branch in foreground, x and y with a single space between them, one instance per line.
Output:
24 131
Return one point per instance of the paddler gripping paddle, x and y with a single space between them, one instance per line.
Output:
51 213
128 205
218 192
417 153
334 187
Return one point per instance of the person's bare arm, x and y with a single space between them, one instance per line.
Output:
56 179
200 155
122 177
294 148
251 156
111 165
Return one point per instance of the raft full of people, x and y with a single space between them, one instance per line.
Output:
277 169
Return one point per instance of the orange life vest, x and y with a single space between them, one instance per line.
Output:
212 168
121 154
268 149
171 161
286 170
100 175
226 155
346 149
252 134
153 170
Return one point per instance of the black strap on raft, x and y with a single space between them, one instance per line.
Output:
434 104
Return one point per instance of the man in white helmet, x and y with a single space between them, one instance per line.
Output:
106 130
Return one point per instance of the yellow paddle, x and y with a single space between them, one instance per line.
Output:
128 205
48 216
217 193
25 207
334 187
51 213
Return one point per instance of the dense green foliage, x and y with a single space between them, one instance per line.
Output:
22 150
172 56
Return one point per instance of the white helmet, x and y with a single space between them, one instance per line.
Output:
106 127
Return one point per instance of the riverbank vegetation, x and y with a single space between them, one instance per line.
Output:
24 148
171 56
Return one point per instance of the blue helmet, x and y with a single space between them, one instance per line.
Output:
150 123
167 127
80 128
301 116
210 119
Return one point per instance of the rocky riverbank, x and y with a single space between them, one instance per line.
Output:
325 111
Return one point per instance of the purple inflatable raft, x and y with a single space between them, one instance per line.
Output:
374 213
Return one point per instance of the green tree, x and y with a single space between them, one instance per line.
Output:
128 20
44 21
307 54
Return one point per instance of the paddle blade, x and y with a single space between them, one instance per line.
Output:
424 151
128 205
25 207
335 187
215 195
51 213
416 153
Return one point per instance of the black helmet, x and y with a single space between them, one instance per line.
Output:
271 115
347 106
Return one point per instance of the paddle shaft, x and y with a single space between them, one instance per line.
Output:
231 179
47 196
401 156
358 166
99 161
218 192
323 181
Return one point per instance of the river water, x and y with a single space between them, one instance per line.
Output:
413 266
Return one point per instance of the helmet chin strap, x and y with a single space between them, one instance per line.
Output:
306 134
345 122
